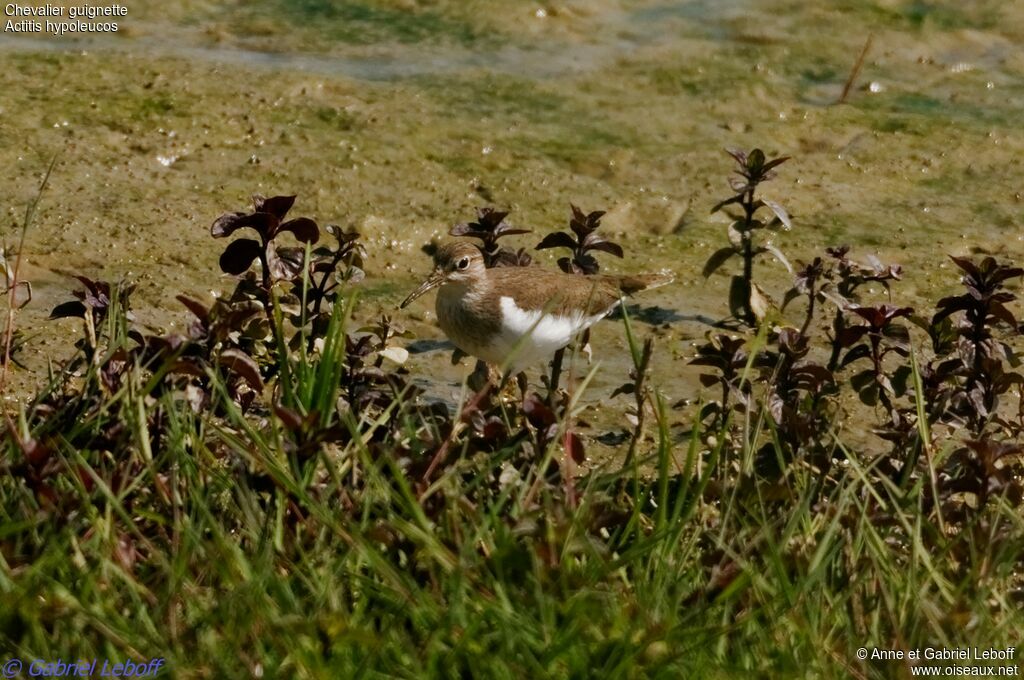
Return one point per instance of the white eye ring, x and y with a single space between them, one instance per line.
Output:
463 263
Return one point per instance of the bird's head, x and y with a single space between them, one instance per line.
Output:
456 262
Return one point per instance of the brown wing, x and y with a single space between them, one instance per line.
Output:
556 292
631 285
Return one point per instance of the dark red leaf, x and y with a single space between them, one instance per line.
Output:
66 309
950 305
505 230
774 163
1003 273
288 417
34 452
755 160
1000 312
627 388
966 265
96 293
707 379
739 155
285 263
304 229
873 315
94 287
196 307
574 447
813 375
987 449
278 206
490 217
239 255
228 223
239 362
187 367
558 239
859 352
465 230
721 204
538 413
739 184
607 247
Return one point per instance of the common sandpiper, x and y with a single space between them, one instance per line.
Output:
514 317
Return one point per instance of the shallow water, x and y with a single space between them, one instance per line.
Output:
400 117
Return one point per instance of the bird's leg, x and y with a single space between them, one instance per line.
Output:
523 383
556 374
482 382
585 346
475 402
480 377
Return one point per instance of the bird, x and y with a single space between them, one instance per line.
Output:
515 317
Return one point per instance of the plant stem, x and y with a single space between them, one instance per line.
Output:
748 256
974 380
876 358
838 325
12 290
811 297
640 395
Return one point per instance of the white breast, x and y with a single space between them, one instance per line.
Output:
532 336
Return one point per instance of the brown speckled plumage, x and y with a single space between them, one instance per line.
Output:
472 313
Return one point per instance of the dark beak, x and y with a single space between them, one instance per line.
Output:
433 281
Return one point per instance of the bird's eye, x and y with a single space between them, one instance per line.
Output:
463 263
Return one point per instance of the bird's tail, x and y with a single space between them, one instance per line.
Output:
641 282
